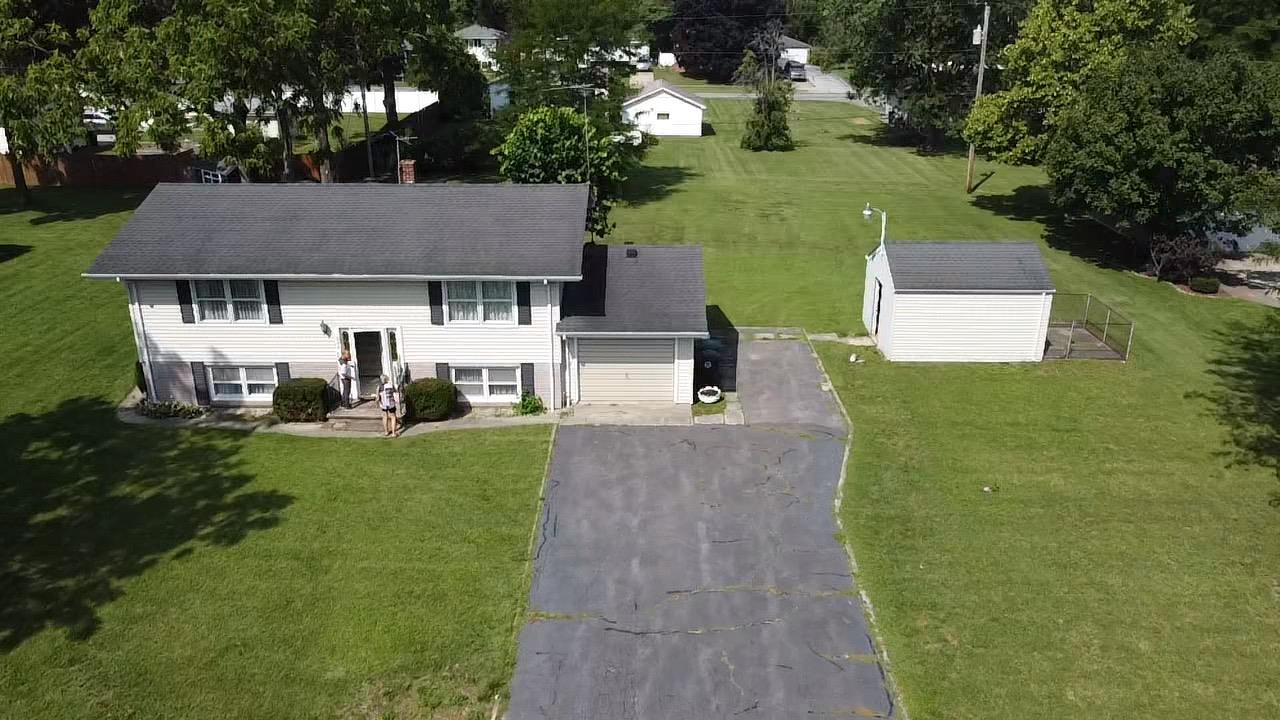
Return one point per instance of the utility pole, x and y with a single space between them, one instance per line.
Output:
982 66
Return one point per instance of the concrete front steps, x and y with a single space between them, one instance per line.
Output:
363 418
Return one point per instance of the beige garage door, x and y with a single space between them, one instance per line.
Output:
620 370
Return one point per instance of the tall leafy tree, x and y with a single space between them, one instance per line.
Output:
1058 45
41 105
1170 146
710 35
558 145
919 53
767 127
1250 26
561 51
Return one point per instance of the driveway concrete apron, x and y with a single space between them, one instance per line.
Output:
693 572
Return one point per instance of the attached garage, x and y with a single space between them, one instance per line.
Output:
628 328
622 370
958 301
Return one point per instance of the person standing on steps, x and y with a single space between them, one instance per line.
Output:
387 402
346 376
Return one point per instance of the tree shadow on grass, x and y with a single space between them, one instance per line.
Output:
1078 236
1246 392
9 252
648 184
89 502
56 204
882 135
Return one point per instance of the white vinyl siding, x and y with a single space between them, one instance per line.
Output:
488 384
307 308
662 113
623 370
969 328
684 371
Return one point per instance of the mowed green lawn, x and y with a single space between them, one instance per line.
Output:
1127 562
783 233
155 573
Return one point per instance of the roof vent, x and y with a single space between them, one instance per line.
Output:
633 253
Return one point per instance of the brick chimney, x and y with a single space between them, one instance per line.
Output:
408 172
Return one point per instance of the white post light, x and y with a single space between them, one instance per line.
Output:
884 219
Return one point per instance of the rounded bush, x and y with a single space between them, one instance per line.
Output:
1207 285
430 399
301 400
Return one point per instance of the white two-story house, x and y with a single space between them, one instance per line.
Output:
233 289
482 42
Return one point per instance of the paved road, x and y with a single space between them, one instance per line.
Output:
819 86
692 572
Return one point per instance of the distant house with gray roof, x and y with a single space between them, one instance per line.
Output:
482 42
234 289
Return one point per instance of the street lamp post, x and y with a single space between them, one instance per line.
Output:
884 219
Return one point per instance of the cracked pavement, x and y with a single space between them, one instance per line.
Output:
693 572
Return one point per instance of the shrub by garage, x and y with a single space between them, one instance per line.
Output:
301 400
430 399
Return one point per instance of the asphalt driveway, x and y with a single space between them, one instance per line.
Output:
693 572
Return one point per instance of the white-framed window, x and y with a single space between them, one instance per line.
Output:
664 116
475 301
229 300
211 177
242 383
487 383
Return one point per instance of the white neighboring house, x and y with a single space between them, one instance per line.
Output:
661 108
234 289
666 59
958 301
482 42
408 99
795 50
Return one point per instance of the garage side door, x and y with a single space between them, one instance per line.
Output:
621 370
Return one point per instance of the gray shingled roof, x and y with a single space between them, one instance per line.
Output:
790 43
657 85
968 266
352 229
659 291
479 32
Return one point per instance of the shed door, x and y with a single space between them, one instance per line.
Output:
620 370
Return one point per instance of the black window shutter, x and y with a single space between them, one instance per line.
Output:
282 373
526 377
523 314
435 292
442 371
272 290
200 382
184 301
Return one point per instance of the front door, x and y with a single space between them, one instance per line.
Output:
368 356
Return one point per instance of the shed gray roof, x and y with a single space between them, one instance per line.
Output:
790 43
659 291
479 32
968 266
265 230
657 85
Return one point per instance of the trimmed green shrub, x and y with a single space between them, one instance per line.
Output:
529 404
301 400
430 399
169 409
1206 285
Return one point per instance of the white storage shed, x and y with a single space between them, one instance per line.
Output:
796 51
958 301
661 108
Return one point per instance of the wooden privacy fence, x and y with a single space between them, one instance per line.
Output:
87 168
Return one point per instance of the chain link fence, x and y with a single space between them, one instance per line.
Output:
1082 326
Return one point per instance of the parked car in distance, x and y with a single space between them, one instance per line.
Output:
643 66
795 72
